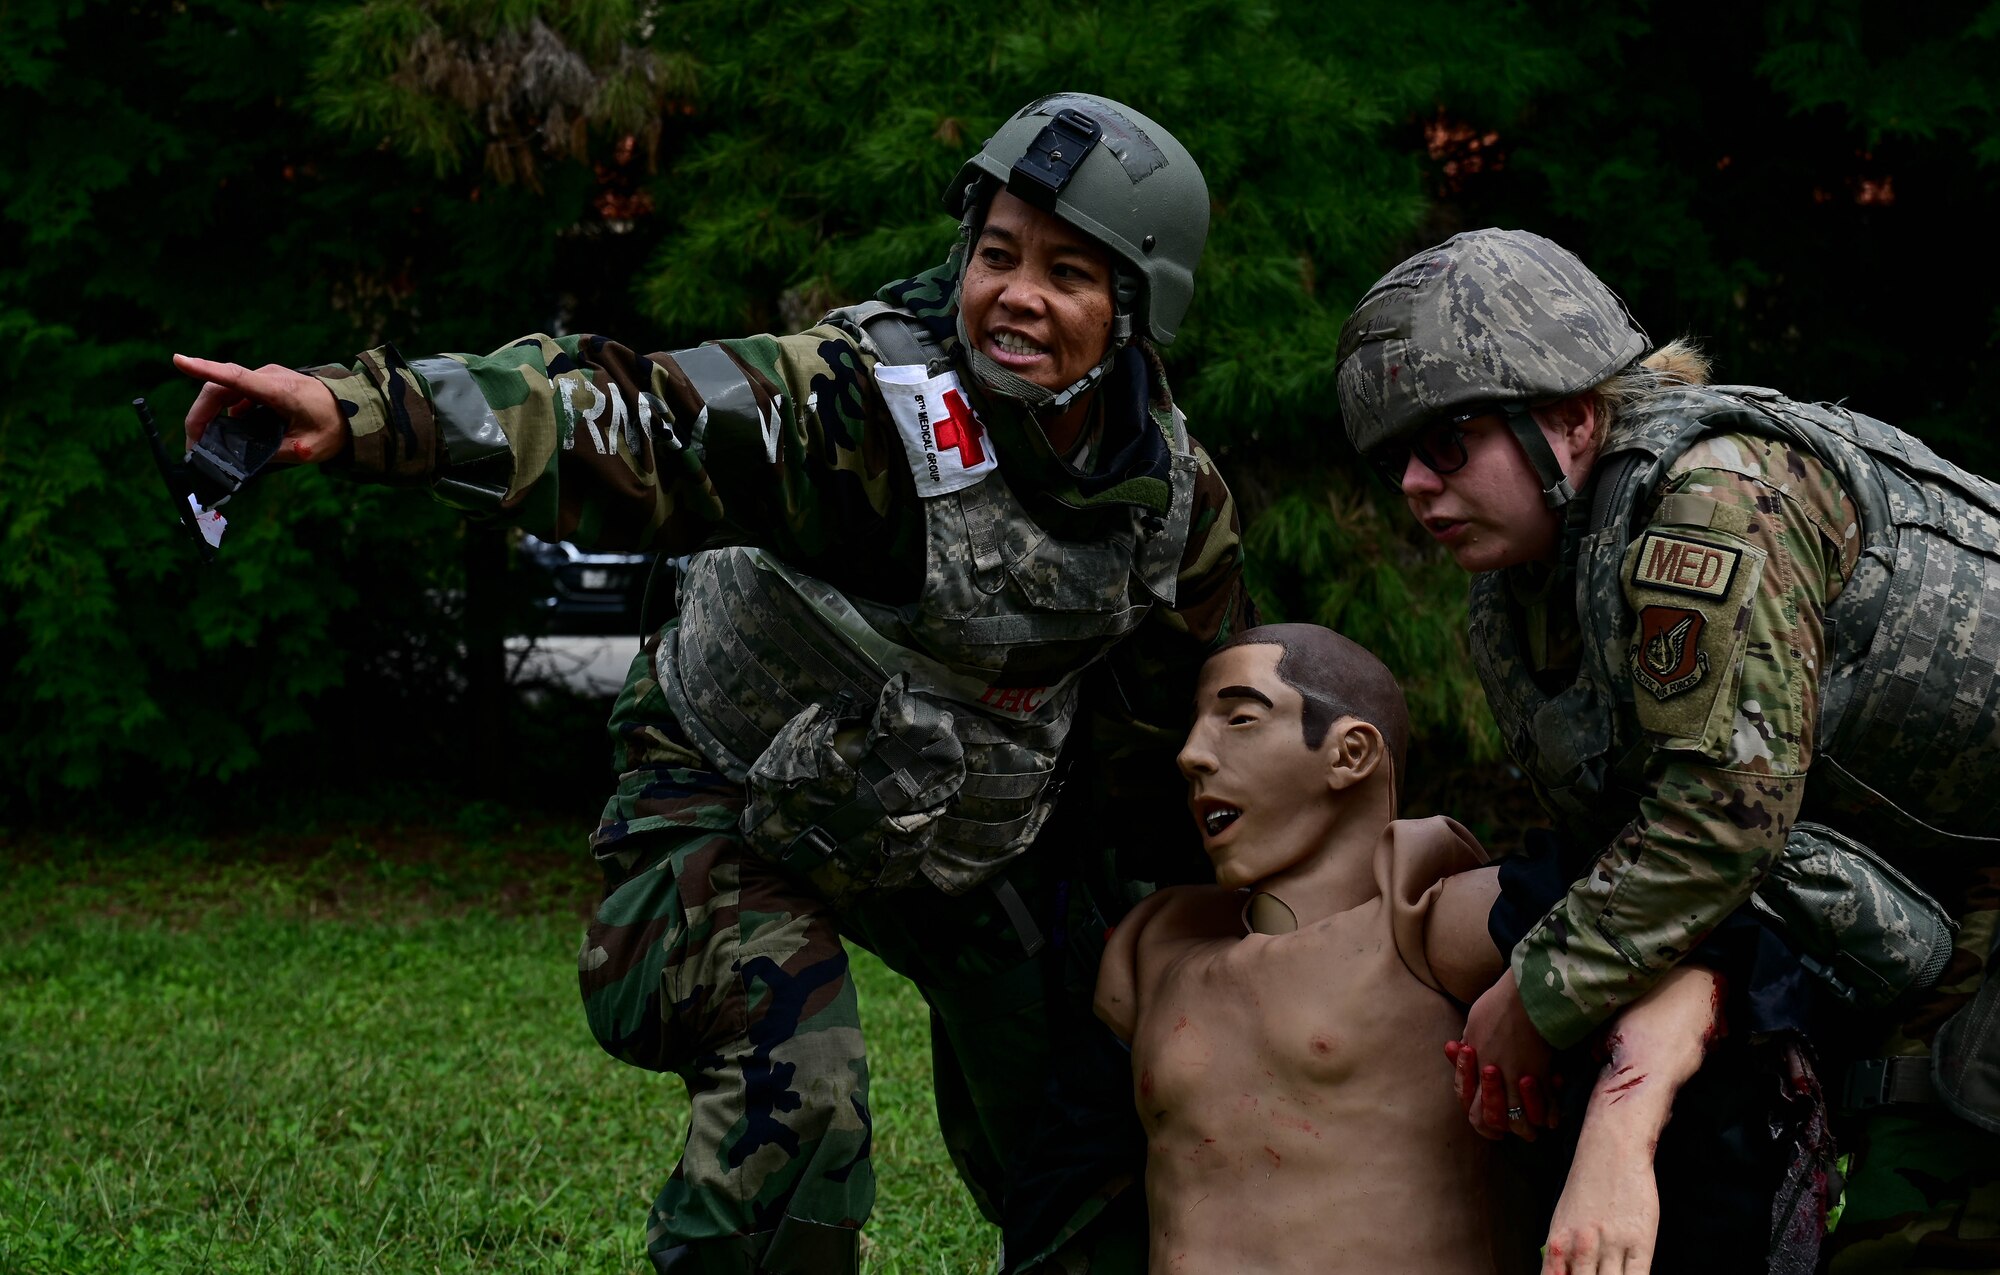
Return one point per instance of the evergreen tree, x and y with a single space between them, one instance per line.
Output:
1802 186
165 188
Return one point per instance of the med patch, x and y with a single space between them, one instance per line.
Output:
1691 590
1679 564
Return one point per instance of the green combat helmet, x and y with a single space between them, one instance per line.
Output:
1121 179
1490 319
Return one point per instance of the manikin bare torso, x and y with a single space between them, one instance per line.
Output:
1299 1113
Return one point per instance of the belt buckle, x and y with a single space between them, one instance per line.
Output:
816 857
811 849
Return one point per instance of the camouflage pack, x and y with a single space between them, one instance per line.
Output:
1865 928
760 644
854 804
1905 736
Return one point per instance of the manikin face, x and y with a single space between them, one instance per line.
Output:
1490 513
1262 798
1037 295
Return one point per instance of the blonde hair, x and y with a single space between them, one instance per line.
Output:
1677 363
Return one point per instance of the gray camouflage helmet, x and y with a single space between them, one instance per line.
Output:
1113 174
1489 316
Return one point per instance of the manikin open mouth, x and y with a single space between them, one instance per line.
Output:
1218 818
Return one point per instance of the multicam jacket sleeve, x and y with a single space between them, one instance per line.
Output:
777 440
1728 585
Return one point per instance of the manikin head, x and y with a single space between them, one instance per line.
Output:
1298 732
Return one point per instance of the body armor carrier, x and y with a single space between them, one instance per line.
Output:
882 742
1908 738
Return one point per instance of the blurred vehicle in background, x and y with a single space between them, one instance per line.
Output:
573 592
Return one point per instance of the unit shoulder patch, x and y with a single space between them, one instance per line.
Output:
1668 659
1680 564
1691 593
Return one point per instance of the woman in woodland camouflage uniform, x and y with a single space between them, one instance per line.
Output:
924 534
1732 639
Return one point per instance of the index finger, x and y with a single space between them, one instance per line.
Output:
261 386
1489 1114
1465 1077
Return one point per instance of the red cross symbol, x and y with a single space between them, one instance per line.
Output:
961 431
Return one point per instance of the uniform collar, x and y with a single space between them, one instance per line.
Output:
1133 463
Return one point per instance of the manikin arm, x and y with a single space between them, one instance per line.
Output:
1117 998
1460 950
1609 1213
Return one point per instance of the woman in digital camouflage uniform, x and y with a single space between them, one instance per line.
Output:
1723 633
934 538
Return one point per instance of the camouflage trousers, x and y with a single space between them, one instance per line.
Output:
1923 1190
707 961
1923 1195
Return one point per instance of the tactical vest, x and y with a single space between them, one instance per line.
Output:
1907 746
877 741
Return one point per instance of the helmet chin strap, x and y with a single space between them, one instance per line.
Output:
1556 489
1041 400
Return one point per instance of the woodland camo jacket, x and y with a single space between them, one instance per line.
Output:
578 438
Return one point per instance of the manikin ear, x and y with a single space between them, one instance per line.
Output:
1354 752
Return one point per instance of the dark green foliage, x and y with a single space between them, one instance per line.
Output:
163 191
833 129
1806 186
1334 551
110 634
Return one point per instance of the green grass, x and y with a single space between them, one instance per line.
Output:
360 1051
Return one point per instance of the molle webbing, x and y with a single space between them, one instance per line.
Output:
729 699
752 651
1909 723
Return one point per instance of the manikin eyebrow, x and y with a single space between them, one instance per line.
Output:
1245 692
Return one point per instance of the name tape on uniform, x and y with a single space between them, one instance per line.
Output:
1685 566
947 447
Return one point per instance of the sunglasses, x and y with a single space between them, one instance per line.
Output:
1439 445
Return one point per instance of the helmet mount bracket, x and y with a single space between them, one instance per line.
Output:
1051 159
1114 176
